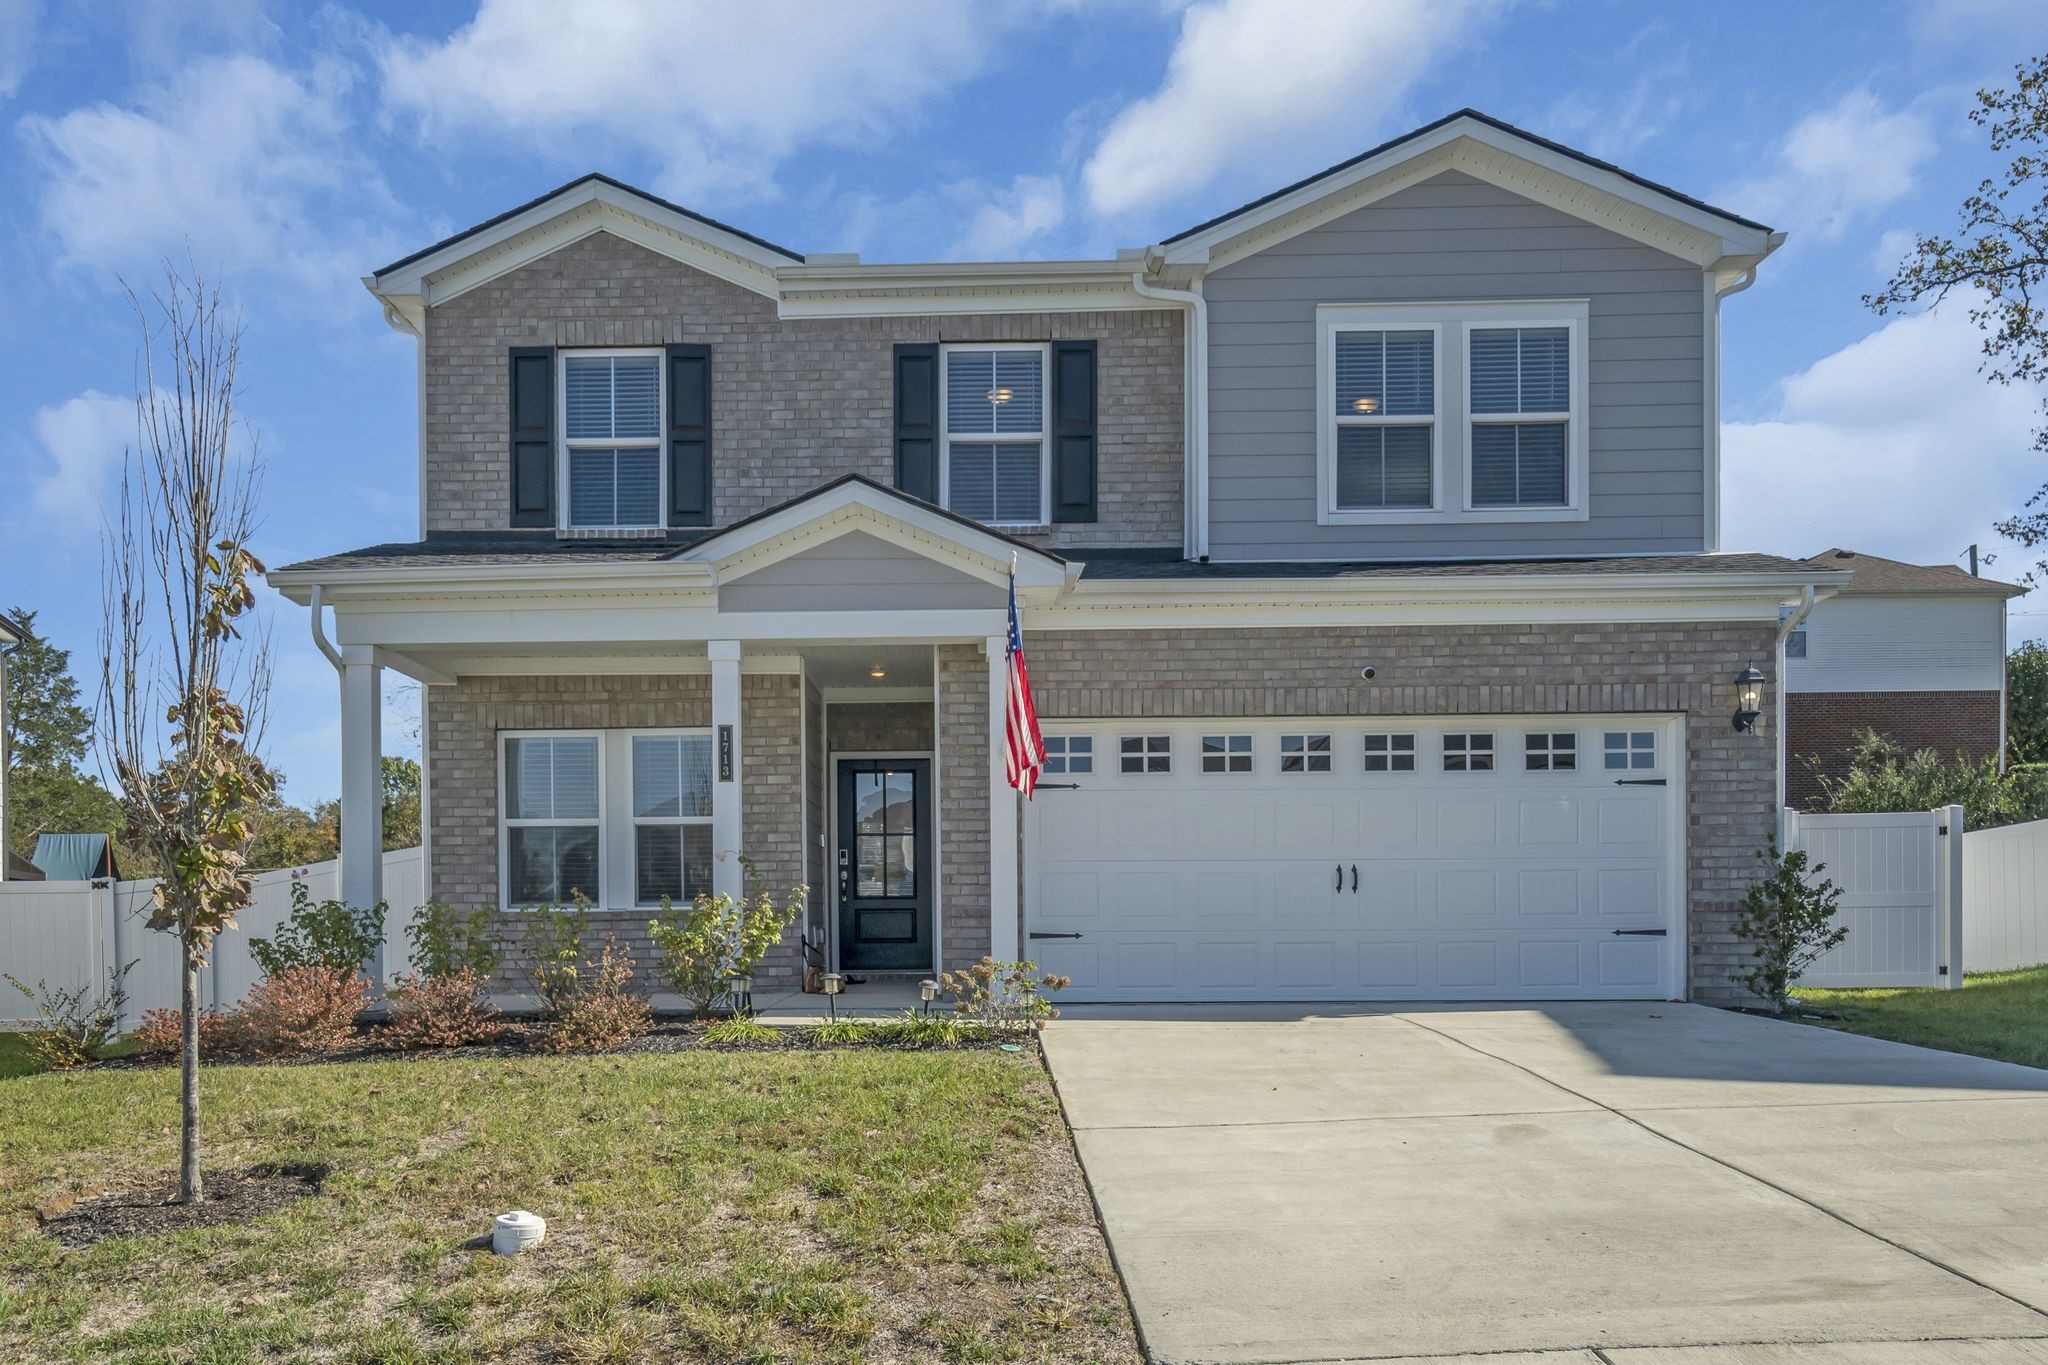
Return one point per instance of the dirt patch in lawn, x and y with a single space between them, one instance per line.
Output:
228 1197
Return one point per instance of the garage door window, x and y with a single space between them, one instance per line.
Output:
1630 750
1145 753
1390 753
1551 752
1226 753
1304 753
1468 753
1070 753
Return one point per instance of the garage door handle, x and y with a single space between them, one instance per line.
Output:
1638 781
1035 934
1354 879
1640 933
1056 786
1340 876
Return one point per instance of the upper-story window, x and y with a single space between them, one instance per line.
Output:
1452 412
612 469
993 466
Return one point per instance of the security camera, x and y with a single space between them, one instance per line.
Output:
1368 673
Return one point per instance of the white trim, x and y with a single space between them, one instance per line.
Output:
1451 420
566 447
1042 437
1589 193
832 758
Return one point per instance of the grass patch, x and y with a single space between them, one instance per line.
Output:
18 1058
2003 1015
730 1206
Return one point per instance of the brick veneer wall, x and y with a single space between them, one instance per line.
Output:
796 403
1479 670
961 678
880 727
1821 730
463 727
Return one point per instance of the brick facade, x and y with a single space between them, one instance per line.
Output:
1821 730
961 680
796 403
463 725
1472 670
880 727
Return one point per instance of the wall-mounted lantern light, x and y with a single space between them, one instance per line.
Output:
1749 698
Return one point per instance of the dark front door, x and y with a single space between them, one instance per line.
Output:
885 864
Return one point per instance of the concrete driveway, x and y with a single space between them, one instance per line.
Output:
1634 1184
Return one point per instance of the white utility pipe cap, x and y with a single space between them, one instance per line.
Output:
517 1231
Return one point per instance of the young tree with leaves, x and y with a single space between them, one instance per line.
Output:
182 693
1998 260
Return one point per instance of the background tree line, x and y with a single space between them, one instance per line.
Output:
50 791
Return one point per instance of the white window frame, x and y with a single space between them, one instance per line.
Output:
617 885
1145 754
1328 753
1066 755
506 824
1549 751
1043 438
635 821
1412 753
1229 754
1452 420
1469 751
564 446
1630 750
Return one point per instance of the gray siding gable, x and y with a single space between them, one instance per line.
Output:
857 572
1456 238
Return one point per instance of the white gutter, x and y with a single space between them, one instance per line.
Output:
320 631
1786 625
1196 416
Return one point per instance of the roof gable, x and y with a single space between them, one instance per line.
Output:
1874 574
1487 149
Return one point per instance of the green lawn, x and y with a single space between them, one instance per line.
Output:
1996 1014
15 1059
813 1206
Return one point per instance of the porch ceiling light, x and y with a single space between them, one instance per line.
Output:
1749 698
878 672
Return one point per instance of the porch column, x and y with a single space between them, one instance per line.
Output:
727 877
362 785
1002 813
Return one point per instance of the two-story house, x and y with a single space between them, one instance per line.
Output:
1366 541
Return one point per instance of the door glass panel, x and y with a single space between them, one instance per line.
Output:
899 795
870 854
900 853
870 812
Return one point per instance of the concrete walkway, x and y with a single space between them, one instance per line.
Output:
1636 1184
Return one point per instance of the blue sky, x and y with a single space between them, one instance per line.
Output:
291 149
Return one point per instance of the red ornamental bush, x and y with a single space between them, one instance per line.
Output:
161 1033
603 1012
301 1010
446 1010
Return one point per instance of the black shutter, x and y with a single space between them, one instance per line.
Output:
689 435
917 420
1073 431
533 435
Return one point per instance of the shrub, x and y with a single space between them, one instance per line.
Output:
911 1029
161 1033
740 1031
440 1009
842 1032
554 953
77 1023
320 934
1884 776
1789 922
602 1011
1008 997
301 1010
446 941
719 937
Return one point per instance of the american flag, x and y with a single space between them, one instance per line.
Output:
1023 746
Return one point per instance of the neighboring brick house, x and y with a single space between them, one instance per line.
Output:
1365 542
1915 652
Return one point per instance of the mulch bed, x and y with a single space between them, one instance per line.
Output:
227 1197
667 1035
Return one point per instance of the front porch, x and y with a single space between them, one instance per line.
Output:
817 695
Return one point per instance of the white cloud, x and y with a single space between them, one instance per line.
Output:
18 23
1252 84
83 439
1004 222
1894 445
1837 165
1891 249
716 96
249 166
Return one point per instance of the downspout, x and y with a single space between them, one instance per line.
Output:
1786 625
320 632
1196 415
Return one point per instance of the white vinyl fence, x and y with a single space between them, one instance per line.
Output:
2005 897
1902 880
73 933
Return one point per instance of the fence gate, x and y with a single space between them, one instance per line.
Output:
1901 876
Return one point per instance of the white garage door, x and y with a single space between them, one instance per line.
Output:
1357 859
